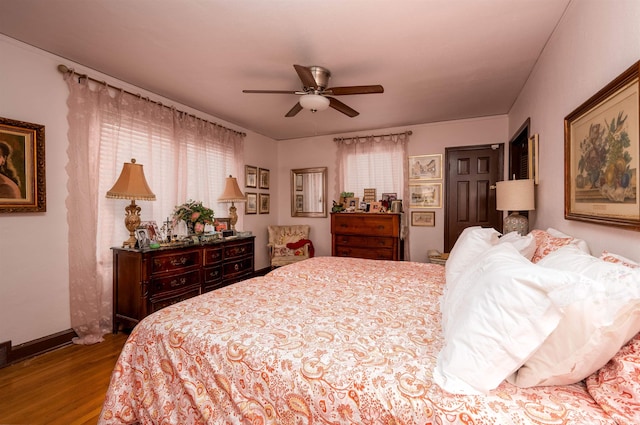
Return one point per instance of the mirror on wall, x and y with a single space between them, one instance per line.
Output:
309 192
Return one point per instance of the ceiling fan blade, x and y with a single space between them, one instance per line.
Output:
339 106
306 76
341 91
296 108
271 91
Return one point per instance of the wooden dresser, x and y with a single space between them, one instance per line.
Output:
366 235
144 281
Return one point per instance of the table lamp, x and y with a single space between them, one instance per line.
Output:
232 193
515 196
131 185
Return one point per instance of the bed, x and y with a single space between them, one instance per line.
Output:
328 341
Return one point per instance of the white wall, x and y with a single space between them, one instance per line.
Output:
595 42
426 139
34 278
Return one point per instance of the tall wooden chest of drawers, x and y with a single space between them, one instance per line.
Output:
145 281
366 235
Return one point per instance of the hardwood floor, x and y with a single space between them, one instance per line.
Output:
66 386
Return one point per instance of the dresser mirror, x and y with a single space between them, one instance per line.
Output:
309 192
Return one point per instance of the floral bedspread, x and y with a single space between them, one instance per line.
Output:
325 341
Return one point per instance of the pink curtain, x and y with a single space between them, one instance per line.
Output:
183 158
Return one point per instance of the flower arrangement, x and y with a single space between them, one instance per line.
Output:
194 214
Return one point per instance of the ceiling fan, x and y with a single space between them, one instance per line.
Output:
315 96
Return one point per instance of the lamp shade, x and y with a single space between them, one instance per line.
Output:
131 184
314 102
232 192
515 195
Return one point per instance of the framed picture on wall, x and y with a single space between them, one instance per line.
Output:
252 203
602 155
263 203
250 176
22 167
425 167
263 178
425 195
423 218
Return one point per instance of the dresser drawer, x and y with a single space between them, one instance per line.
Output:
238 249
369 224
364 241
233 269
368 253
212 274
212 255
158 304
174 282
175 261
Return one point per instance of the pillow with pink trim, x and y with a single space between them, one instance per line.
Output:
618 259
616 386
552 239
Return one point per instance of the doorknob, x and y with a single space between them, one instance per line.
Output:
493 187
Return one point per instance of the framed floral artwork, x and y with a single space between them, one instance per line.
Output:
602 155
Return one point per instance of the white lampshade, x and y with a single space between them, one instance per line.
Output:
515 195
314 102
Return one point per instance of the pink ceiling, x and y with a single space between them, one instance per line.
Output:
438 60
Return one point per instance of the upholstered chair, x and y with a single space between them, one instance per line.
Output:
289 244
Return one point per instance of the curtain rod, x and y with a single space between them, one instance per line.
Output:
65 69
340 139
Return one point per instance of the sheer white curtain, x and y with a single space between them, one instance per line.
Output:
183 158
374 162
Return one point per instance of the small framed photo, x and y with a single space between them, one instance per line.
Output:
252 203
352 203
263 178
250 176
425 195
152 230
423 218
425 167
22 167
299 203
221 224
364 206
387 198
375 207
263 202
142 236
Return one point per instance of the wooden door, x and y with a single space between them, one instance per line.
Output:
470 198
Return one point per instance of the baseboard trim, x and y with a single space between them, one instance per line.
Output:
262 272
10 355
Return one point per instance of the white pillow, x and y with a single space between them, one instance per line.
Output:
604 315
497 315
472 242
526 245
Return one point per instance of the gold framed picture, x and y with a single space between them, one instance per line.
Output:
602 155
22 167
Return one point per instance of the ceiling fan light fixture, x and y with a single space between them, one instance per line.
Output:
314 102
